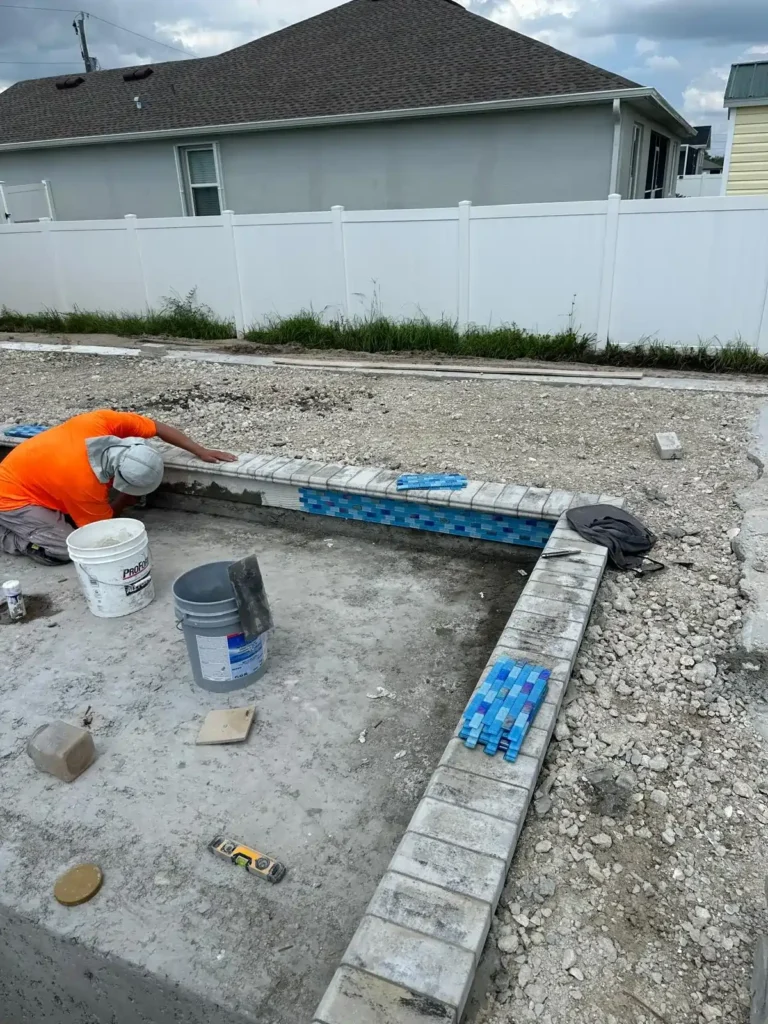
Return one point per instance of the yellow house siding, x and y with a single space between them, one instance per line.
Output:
748 173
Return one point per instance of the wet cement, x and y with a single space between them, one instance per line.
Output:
175 933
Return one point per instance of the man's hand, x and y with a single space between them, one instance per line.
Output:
212 455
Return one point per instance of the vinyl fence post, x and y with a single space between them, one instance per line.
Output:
612 213
49 199
5 213
237 285
465 267
762 330
340 254
57 289
135 244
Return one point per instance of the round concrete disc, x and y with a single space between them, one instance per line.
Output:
78 885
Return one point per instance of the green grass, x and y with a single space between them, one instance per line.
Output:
186 318
378 334
177 318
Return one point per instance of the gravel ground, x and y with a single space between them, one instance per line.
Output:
636 894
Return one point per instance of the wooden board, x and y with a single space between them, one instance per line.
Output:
529 371
227 726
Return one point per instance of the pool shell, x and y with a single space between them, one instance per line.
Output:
414 955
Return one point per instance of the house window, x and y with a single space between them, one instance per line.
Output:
657 166
634 163
202 186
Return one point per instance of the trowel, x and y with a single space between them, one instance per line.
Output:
252 602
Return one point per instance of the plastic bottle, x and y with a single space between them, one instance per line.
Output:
15 600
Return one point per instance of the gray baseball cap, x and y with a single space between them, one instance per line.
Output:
138 468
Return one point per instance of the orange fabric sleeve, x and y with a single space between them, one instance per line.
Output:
128 424
84 512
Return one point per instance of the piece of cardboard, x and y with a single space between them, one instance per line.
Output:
230 725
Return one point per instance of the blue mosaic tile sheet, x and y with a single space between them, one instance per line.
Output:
435 481
502 709
458 522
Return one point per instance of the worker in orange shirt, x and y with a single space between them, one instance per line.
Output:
63 476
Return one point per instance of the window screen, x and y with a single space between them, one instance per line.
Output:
202 182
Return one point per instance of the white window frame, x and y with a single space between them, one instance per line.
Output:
183 175
635 155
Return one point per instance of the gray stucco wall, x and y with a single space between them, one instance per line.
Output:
629 117
543 155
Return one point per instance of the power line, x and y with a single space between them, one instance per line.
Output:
73 10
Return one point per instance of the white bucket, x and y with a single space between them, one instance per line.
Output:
113 563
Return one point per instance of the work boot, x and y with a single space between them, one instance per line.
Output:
41 556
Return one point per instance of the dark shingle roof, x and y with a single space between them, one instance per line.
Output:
364 56
703 136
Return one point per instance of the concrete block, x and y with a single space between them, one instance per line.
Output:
488 796
62 750
479 832
512 641
521 773
355 997
485 499
510 498
554 592
536 740
423 907
343 479
249 465
668 446
559 626
449 866
383 480
570 578
561 608
416 962
580 500
534 501
362 480
559 502
596 557
319 479
612 499
269 470
463 498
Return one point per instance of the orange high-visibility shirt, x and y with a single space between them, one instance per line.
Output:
52 469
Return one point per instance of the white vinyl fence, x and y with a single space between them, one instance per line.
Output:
676 270
696 185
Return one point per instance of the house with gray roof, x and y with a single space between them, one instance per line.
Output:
374 104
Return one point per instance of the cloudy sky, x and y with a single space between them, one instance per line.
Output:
682 47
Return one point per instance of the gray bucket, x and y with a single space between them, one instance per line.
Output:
221 656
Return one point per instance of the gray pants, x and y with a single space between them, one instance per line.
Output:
34 524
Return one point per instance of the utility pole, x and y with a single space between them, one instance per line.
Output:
91 64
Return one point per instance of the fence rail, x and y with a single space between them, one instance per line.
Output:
677 270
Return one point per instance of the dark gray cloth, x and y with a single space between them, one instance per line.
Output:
627 540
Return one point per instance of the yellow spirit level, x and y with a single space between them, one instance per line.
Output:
254 862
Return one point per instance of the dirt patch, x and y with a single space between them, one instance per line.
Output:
39 606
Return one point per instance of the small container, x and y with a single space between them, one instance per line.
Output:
15 599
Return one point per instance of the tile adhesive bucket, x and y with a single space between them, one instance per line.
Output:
221 656
113 565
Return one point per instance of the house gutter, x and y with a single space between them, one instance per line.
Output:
366 117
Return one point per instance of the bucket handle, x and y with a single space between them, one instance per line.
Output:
106 583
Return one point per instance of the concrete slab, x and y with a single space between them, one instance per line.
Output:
175 931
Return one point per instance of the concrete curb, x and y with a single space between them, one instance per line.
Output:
751 544
414 955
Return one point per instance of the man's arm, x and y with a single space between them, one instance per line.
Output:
180 440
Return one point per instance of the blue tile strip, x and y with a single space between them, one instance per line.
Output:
501 710
458 522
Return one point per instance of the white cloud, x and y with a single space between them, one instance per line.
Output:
203 41
645 46
757 51
658 63
577 46
698 101
512 13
